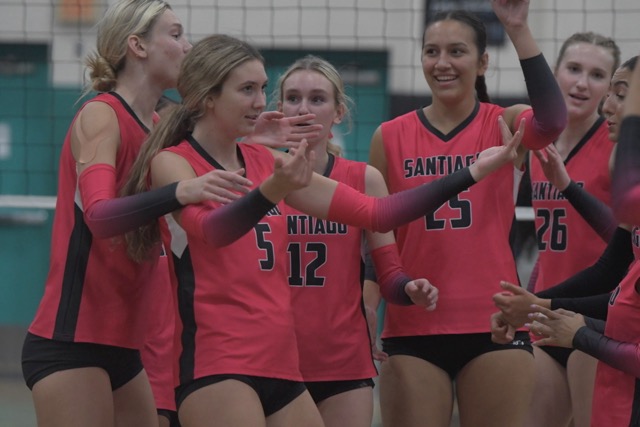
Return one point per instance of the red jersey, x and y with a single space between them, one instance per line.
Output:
157 351
616 392
326 288
463 247
94 292
566 242
234 302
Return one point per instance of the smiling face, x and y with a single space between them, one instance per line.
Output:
241 100
613 106
307 91
583 75
451 61
166 47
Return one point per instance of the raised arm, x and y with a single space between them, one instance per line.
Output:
548 114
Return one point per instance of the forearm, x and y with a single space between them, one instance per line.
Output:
392 277
619 355
226 224
596 306
107 215
371 294
597 214
601 277
548 116
385 214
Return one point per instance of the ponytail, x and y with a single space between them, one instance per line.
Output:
169 131
481 89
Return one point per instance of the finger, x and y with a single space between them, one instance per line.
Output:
297 135
564 312
221 200
540 156
514 289
504 129
272 115
552 149
511 333
521 126
517 137
544 311
238 181
306 128
538 319
295 120
224 194
543 341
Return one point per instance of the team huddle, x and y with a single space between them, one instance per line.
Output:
216 263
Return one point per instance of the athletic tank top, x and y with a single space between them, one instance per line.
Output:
94 292
566 242
325 278
463 247
617 394
234 302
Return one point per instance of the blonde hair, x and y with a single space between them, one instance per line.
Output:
324 67
121 20
203 72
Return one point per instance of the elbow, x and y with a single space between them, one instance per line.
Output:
101 229
554 127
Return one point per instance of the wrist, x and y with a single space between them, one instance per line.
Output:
476 171
272 191
182 192
542 302
563 184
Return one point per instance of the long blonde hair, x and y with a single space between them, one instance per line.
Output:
324 67
203 72
121 20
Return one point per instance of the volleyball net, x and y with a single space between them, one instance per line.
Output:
374 43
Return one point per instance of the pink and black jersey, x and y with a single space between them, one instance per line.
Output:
157 350
326 288
94 292
234 308
463 247
566 242
616 393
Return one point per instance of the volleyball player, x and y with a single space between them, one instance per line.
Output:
575 167
613 344
463 247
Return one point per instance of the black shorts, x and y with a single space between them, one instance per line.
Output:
559 354
321 390
42 357
451 352
172 416
274 393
